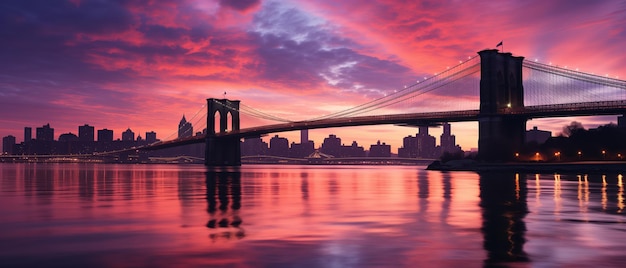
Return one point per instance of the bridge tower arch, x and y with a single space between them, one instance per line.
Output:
500 134
222 151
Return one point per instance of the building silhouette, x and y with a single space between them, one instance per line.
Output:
45 133
422 145
448 141
304 148
331 145
8 144
128 135
68 137
537 136
185 129
105 135
380 150
28 134
254 146
279 146
86 133
151 137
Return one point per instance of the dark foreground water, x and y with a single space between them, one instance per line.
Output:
92 215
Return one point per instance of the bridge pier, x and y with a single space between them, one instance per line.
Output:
222 151
500 134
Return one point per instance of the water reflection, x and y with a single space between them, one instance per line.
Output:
503 204
224 219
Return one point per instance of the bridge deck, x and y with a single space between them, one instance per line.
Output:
433 118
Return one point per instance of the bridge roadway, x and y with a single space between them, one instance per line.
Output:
414 119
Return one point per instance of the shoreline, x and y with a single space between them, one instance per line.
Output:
552 167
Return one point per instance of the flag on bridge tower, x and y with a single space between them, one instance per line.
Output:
500 45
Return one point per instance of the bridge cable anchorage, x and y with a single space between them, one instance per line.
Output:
413 90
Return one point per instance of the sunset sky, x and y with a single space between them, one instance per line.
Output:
143 64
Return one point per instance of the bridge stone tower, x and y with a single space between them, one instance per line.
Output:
222 151
500 134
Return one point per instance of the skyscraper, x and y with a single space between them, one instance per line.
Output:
304 136
128 135
105 135
151 137
8 144
28 134
185 129
45 133
85 133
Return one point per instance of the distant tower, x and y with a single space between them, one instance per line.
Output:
28 134
128 135
304 136
45 133
151 137
105 135
85 133
447 140
8 145
185 129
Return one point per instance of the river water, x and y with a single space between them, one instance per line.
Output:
106 215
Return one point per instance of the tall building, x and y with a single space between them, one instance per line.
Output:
426 143
422 145
448 141
151 137
85 133
185 129
68 137
304 136
279 146
537 136
8 144
304 148
331 145
45 133
621 121
28 134
380 150
105 135
128 135
254 146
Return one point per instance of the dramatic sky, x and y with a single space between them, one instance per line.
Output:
143 64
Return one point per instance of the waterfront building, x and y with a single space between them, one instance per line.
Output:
537 136
447 141
151 137
380 150
253 146
185 129
331 146
86 133
128 135
45 133
105 135
8 145
28 134
279 146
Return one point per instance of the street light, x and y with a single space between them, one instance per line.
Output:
603 154
580 154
